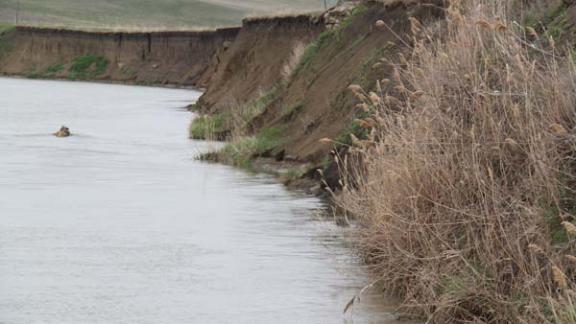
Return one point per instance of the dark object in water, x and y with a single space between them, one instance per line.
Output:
63 132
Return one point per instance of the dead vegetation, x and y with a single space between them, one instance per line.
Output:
466 187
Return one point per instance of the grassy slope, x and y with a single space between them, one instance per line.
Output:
149 13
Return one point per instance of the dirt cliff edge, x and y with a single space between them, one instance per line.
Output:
179 58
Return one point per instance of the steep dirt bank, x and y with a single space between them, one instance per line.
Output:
258 60
312 101
181 58
317 103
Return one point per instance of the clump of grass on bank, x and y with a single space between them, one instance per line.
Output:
241 151
467 183
54 69
88 67
207 127
233 123
244 148
49 72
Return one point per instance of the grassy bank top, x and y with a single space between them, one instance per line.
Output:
136 14
118 30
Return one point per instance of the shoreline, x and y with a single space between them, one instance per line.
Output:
113 82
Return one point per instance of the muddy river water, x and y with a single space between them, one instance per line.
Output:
119 223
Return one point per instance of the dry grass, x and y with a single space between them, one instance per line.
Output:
466 187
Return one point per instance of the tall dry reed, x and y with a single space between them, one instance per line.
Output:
466 188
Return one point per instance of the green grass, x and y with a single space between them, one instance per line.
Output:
555 22
6 27
205 127
146 13
88 67
560 11
241 152
34 75
53 69
558 22
306 60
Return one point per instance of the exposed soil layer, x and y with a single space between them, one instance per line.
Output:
179 58
317 103
255 63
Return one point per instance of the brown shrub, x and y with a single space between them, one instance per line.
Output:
470 176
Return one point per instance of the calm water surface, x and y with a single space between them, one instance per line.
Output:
119 224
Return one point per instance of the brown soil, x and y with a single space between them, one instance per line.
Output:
255 61
317 103
181 58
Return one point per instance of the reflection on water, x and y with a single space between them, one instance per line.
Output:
118 223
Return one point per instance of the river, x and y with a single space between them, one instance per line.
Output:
119 223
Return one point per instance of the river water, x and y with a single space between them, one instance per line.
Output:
119 224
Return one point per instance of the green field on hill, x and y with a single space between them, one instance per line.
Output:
146 13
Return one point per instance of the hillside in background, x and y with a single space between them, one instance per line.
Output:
145 13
